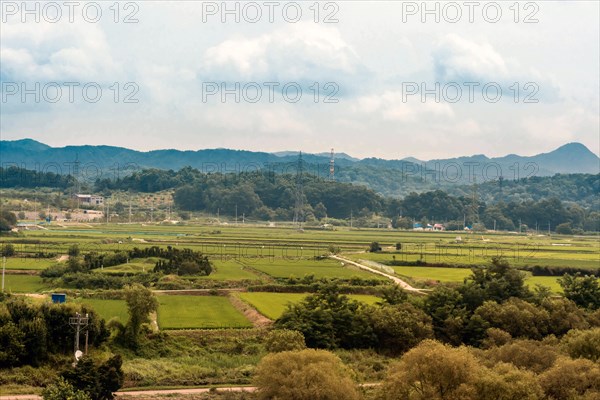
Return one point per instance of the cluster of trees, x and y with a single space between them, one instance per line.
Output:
330 320
519 369
141 302
270 197
581 189
530 214
434 371
183 262
7 220
87 380
15 177
34 334
492 301
30 333
77 271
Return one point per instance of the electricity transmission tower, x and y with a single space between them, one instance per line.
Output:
475 202
331 167
299 194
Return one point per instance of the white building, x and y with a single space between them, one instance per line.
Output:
89 199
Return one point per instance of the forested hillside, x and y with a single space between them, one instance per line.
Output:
565 202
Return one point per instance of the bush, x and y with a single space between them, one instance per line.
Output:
279 340
63 390
525 354
374 247
73 251
303 375
515 316
564 229
8 250
506 382
582 290
571 379
54 271
329 320
399 327
430 371
99 381
583 344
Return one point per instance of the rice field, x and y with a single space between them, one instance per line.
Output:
198 312
272 305
299 268
26 263
24 284
107 309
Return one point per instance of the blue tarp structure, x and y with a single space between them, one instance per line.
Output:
59 298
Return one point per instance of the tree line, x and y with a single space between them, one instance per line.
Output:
562 203
493 303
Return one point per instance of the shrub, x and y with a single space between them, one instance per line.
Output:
63 390
8 250
430 371
571 379
583 344
279 340
303 375
525 354
374 247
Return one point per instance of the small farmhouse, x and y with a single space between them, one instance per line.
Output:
89 199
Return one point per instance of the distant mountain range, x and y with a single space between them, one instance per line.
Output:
386 176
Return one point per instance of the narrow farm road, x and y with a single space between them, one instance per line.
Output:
165 392
162 392
403 284
140 393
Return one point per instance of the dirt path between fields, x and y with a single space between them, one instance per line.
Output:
199 292
403 284
22 272
153 393
251 313
168 393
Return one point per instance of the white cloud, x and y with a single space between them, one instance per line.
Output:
68 51
297 52
456 58
391 106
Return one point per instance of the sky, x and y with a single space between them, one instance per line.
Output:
387 79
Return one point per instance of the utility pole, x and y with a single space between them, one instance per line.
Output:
236 214
3 269
130 209
107 211
548 228
79 322
519 225
351 218
494 225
